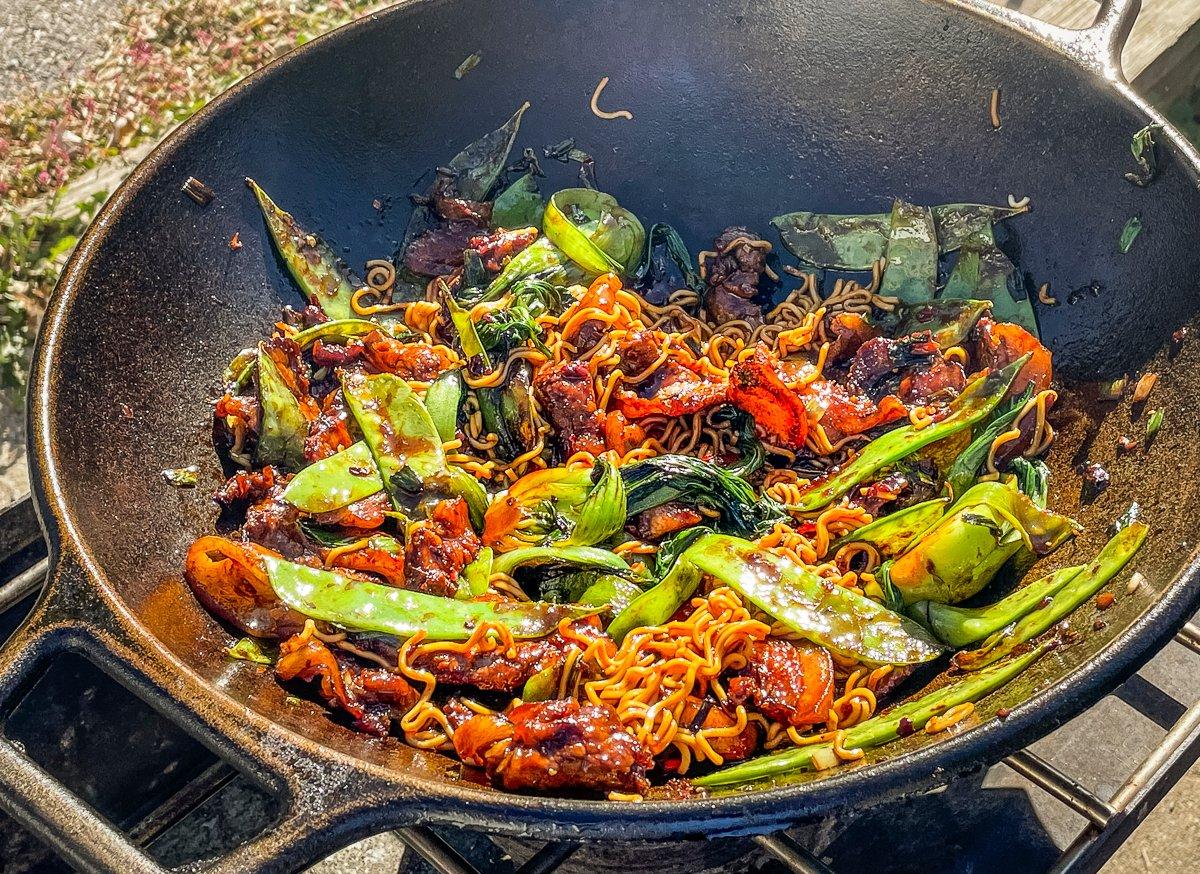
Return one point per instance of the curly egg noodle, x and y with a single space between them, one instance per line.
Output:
655 679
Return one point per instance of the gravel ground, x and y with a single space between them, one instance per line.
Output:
46 42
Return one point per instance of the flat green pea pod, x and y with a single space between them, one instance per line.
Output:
961 626
397 428
657 604
335 482
900 721
856 242
478 573
990 524
344 329
611 591
442 400
594 231
1107 564
582 557
976 402
892 533
360 606
948 321
912 254
284 425
541 686
984 272
321 275
830 616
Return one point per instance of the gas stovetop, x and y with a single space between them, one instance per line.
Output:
1064 804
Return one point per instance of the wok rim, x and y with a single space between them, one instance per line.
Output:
549 817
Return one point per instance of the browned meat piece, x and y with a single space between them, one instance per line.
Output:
455 209
779 413
734 748
246 485
639 350
439 251
789 682
847 332
1001 343
243 410
372 696
498 247
384 354
879 363
845 413
940 383
657 522
362 515
568 398
494 670
285 353
457 712
556 745
275 524
722 307
672 390
737 268
328 434
439 548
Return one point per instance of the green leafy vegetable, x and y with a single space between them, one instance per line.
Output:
656 481
569 506
987 526
342 329
542 261
335 482
1033 479
878 730
321 275
583 557
182 477
666 266
977 400
1145 153
283 426
361 606
519 206
1129 233
507 411
248 649
592 229
962 473
1114 556
477 167
470 62
892 533
1153 423
912 254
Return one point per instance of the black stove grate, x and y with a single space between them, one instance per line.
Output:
1108 822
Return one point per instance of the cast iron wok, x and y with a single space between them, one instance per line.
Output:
741 111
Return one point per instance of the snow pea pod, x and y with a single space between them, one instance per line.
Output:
442 400
879 730
830 616
335 482
395 426
284 426
912 254
321 275
1114 556
585 557
961 475
361 606
948 321
341 329
892 533
962 626
856 242
657 604
977 400
984 272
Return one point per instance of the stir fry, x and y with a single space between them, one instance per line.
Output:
549 494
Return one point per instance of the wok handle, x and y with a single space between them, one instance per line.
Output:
1097 47
327 803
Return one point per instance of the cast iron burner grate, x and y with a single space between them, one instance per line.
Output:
1107 823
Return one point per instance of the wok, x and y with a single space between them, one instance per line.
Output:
742 110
